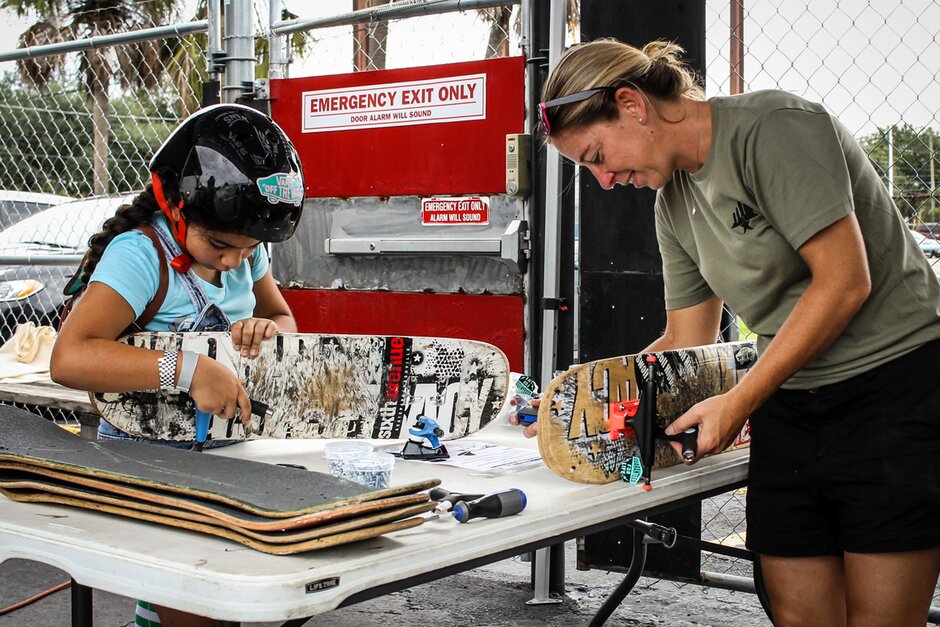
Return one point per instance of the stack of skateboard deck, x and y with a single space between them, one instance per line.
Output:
270 508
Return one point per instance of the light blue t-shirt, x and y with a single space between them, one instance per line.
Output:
130 266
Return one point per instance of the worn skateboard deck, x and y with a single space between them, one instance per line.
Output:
234 487
174 503
328 386
274 548
574 433
35 490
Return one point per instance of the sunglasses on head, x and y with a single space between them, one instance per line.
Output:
569 99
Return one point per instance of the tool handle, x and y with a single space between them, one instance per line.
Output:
528 415
689 441
202 428
493 505
262 410
444 496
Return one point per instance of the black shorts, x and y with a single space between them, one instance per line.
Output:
853 466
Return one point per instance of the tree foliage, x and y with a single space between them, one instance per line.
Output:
48 146
913 151
136 65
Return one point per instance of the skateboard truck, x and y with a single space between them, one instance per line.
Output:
415 448
639 416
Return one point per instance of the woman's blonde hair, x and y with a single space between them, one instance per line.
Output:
655 70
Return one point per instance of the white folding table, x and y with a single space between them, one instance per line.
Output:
225 580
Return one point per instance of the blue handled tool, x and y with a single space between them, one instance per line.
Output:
202 428
493 505
204 419
528 415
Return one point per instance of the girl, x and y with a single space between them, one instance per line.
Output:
226 180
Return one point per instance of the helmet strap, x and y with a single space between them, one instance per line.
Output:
182 262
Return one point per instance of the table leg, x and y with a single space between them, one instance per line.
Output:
542 569
82 608
637 564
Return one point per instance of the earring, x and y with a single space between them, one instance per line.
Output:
640 120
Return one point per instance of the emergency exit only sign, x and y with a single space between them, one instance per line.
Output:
383 133
455 210
432 101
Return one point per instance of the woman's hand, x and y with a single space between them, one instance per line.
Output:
216 390
248 334
719 420
531 430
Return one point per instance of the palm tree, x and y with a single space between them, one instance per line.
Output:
499 17
370 39
138 65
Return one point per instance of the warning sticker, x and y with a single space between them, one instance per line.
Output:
455 210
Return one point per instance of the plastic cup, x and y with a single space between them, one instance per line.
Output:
337 453
373 470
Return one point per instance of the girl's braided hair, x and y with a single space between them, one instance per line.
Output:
138 212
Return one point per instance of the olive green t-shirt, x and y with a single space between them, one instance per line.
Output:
780 170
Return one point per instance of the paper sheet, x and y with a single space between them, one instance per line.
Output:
484 457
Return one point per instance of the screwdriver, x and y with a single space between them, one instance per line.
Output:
447 499
262 410
494 505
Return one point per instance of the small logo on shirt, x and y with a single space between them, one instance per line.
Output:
742 217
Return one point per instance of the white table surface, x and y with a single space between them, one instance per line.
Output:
225 580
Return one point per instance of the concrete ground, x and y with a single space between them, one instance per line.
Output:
493 595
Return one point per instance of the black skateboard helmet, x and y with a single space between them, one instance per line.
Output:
235 170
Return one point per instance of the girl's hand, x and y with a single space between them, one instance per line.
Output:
248 334
216 390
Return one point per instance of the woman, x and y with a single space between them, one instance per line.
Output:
767 203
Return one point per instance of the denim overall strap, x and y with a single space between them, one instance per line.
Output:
202 306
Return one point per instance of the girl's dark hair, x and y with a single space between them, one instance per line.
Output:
139 212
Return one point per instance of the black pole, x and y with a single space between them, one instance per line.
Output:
621 289
537 73
82 607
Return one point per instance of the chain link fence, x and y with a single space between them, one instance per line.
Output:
411 42
79 129
876 66
81 126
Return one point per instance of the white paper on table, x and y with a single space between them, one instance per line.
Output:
484 457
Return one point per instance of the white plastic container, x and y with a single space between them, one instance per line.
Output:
374 469
337 453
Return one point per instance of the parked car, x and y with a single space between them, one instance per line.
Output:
30 285
929 229
15 206
930 246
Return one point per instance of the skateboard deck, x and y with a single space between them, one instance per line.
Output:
574 429
221 532
328 386
52 492
220 514
230 485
